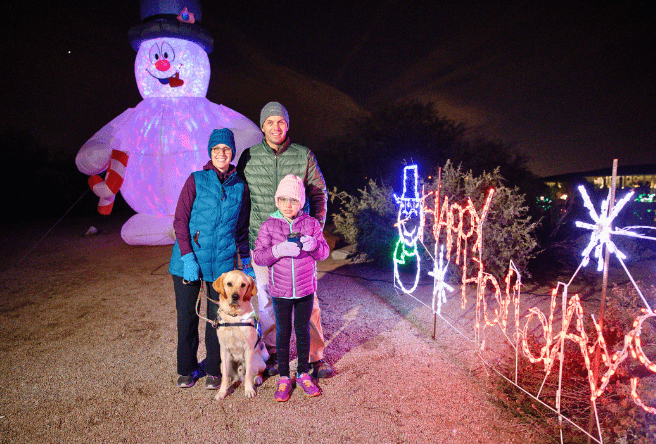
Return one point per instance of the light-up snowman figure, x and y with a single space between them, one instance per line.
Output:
410 223
150 150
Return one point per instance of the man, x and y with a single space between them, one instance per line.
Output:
262 167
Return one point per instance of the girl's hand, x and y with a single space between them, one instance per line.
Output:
309 243
286 249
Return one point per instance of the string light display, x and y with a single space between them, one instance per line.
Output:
410 223
458 230
601 229
439 284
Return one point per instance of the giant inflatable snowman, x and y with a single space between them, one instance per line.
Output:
150 150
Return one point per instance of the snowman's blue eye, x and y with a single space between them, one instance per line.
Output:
167 52
154 53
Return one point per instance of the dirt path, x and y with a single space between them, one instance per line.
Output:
88 356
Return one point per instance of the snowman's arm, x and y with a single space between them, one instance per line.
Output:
94 156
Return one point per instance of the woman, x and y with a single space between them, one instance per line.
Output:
210 218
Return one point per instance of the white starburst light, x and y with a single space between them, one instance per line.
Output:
439 285
601 229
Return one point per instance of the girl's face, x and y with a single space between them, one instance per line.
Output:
288 207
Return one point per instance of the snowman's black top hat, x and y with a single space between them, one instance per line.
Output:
170 18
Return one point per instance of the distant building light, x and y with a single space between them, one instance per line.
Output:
646 197
563 196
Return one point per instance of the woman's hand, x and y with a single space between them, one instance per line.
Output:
191 268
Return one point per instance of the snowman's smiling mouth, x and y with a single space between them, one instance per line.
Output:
173 81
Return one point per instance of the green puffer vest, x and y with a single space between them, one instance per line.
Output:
263 170
212 225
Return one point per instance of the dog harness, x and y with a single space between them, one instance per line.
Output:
245 320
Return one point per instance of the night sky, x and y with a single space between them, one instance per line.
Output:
572 85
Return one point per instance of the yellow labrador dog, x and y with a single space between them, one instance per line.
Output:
243 356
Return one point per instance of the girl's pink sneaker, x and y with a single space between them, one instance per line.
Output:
309 388
283 389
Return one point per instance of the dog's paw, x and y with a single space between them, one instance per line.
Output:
222 394
249 392
257 380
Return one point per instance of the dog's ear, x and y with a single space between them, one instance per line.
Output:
251 290
218 285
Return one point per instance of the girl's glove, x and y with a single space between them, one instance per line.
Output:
309 243
286 249
247 268
191 268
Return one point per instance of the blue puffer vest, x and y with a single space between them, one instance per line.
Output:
212 225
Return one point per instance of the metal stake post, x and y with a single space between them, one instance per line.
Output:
604 287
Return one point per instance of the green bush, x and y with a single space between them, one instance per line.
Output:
367 221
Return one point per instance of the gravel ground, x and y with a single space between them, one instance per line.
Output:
88 356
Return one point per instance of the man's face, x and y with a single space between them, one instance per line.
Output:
275 131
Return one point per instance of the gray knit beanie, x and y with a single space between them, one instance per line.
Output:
273 109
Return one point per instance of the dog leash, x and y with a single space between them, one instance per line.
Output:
198 302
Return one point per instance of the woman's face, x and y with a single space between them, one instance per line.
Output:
221 157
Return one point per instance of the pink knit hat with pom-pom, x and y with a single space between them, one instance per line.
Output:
292 187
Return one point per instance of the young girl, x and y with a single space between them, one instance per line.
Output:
292 278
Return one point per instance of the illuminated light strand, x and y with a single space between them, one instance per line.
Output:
439 284
516 290
410 208
601 229
399 259
462 226
636 398
626 231
452 219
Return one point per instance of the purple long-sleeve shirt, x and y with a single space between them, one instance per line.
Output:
186 202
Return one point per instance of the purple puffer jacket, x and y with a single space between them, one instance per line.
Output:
290 277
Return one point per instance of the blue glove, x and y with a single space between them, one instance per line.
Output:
191 268
247 268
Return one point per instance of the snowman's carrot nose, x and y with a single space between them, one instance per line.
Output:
162 65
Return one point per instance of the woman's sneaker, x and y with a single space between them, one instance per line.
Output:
187 381
212 382
309 388
283 389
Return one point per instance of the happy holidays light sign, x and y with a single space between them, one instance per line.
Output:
458 230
